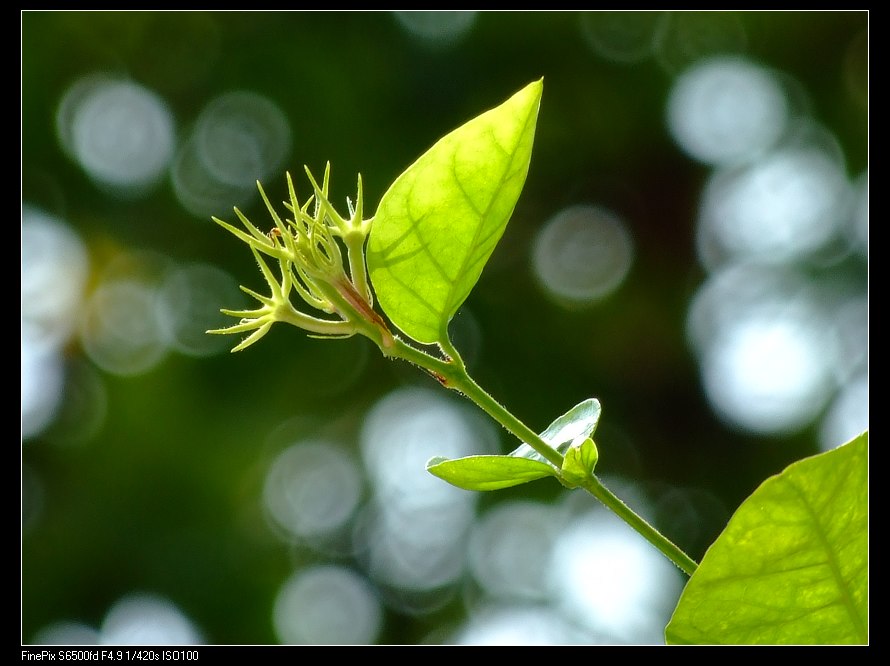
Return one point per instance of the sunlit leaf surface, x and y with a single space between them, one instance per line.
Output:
489 472
440 220
573 427
792 565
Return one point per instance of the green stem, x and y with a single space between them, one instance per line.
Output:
462 382
357 270
453 375
595 487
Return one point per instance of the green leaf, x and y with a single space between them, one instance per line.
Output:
791 567
525 464
579 462
572 428
489 472
439 222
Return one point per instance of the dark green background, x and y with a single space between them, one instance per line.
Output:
167 497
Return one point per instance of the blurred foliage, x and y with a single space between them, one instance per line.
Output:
166 497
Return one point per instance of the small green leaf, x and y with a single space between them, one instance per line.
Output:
572 428
525 464
579 462
489 472
791 567
439 222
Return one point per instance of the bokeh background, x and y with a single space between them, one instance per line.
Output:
690 248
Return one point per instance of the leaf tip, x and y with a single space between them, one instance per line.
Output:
435 460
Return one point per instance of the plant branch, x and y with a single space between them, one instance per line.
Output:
453 375
595 487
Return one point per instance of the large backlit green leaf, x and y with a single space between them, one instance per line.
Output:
439 222
791 567
525 464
